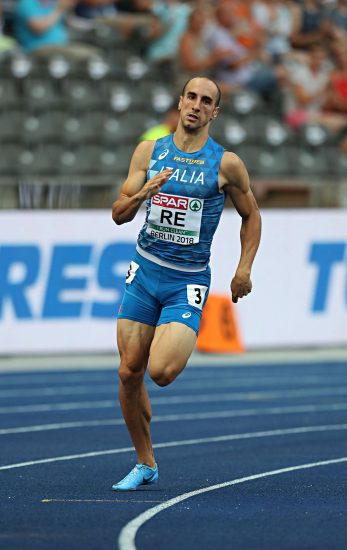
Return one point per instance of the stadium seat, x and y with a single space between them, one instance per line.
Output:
87 159
11 124
276 134
9 94
22 66
58 67
138 70
337 163
75 161
122 97
156 96
100 127
42 93
115 129
79 128
262 129
108 160
135 123
82 94
243 103
229 131
9 158
265 161
309 161
43 127
38 160
315 135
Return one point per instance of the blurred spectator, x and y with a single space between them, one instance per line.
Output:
41 28
313 26
89 13
90 9
247 31
338 15
307 92
278 21
168 126
134 6
337 91
7 43
195 56
173 17
241 67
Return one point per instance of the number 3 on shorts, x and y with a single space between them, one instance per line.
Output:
131 272
196 295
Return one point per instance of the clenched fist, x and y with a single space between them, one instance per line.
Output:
241 285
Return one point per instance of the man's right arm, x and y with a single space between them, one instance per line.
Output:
135 190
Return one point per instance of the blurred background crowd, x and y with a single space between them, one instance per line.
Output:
82 81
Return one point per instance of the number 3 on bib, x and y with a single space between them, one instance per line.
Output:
196 295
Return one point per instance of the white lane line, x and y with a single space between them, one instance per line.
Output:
56 378
200 441
179 417
60 390
97 388
235 371
169 400
126 540
62 426
251 382
45 407
113 500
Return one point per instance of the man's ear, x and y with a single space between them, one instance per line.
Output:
180 104
216 112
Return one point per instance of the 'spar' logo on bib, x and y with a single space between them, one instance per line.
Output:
171 201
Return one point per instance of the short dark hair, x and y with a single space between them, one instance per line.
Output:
219 93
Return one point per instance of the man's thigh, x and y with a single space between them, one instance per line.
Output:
139 302
183 296
134 340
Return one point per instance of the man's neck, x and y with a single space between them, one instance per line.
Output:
190 141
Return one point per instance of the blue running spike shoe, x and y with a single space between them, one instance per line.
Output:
139 475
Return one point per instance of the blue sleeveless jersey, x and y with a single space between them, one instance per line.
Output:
182 219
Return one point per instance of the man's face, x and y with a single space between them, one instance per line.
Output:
198 104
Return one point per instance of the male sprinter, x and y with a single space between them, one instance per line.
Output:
184 178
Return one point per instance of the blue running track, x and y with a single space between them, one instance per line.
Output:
250 458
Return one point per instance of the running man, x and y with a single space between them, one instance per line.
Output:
184 177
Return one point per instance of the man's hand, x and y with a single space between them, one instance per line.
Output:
241 285
154 185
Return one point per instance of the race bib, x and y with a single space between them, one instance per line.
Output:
174 218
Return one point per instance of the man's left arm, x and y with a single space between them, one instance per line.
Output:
234 180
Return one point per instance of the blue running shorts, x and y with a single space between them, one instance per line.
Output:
155 295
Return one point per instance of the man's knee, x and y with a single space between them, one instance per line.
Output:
131 372
163 374
163 378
